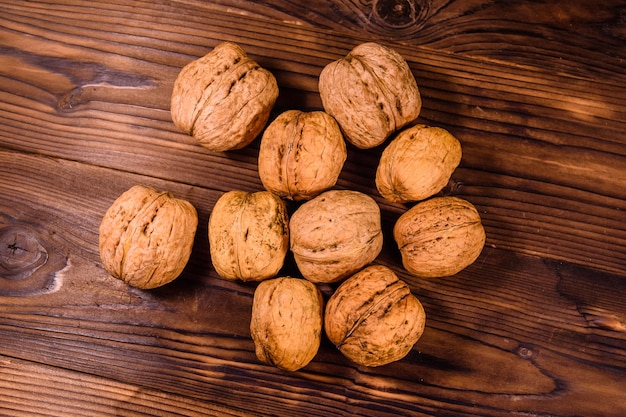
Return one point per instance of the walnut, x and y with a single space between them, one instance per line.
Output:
439 237
248 235
286 324
223 99
301 154
373 318
371 92
146 237
417 164
335 234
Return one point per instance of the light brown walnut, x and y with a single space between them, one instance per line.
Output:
248 235
417 164
301 154
146 237
373 318
286 324
371 92
223 99
335 234
439 237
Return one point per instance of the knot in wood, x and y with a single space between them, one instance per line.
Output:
72 99
400 13
20 252
525 352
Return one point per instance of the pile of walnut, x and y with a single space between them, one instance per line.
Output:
224 100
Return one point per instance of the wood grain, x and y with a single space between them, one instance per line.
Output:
534 91
90 395
508 330
577 38
527 135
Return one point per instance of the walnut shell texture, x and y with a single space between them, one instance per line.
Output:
301 154
286 324
371 92
439 237
373 318
146 237
223 99
335 234
248 235
417 164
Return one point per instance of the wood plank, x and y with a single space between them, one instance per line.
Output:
31 389
512 333
543 151
577 38
535 92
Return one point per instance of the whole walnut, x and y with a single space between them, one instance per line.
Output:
417 164
373 318
301 154
335 234
223 99
439 237
146 237
371 92
286 324
248 235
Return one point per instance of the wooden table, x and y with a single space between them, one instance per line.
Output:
534 90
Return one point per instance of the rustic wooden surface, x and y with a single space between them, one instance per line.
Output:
534 90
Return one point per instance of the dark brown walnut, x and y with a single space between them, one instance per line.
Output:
223 99
248 235
286 324
301 154
146 237
417 164
373 318
371 92
335 234
439 237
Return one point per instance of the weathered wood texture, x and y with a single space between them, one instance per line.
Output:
536 93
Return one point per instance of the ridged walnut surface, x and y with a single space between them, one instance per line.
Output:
146 237
439 237
248 235
223 99
301 154
286 324
373 318
371 92
417 164
335 234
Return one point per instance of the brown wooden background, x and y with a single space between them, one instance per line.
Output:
534 90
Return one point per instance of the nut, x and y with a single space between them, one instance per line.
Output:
248 235
371 92
146 237
373 318
286 324
301 154
439 237
223 99
335 234
417 164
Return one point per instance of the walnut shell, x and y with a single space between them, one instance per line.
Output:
417 164
439 237
301 154
248 235
286 324
146 237
371 92
373 318
223 99
335 234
